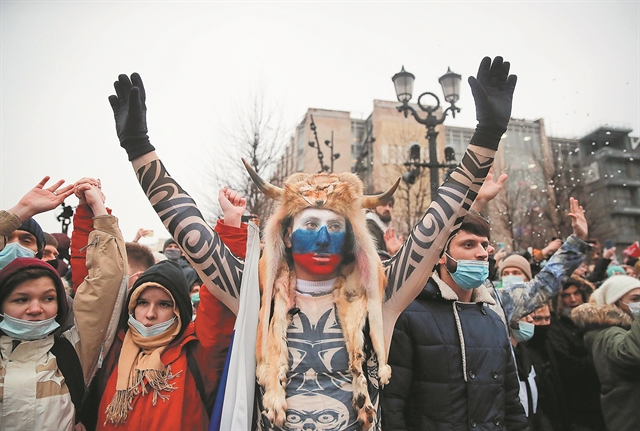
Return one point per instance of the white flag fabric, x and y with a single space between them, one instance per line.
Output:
237 410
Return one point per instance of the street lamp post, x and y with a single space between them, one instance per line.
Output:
450 83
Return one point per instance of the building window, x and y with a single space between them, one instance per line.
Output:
620 196
617 169
301 145
393 154
627 226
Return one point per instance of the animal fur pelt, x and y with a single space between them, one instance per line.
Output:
358 290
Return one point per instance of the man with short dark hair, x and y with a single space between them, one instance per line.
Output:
450 356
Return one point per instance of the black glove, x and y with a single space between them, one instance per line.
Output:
493 94
130 113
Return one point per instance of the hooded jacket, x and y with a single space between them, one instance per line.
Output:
33 393
613 339
452 366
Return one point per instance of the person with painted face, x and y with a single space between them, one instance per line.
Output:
36 391
611 321
450 356
328 304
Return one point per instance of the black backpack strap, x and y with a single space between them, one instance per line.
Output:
192 364
70 367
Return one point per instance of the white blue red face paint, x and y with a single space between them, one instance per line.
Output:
317 239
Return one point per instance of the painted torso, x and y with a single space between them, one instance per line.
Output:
319 389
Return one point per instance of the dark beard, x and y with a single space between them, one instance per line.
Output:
385 218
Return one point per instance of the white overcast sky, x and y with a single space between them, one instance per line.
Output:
577 64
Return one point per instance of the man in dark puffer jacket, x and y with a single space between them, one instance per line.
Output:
450 356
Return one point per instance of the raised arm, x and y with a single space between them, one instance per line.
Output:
219 269
521 299
98 301
409 270
37 200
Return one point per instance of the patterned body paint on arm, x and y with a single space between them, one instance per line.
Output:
409 270
220 270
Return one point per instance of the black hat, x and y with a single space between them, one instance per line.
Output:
168 242
170 276
32 226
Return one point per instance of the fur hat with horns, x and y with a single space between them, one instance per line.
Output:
358 290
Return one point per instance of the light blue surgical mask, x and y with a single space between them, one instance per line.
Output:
12 251
195 298
151 331
634 307
511 280
469 273
28 330
524 332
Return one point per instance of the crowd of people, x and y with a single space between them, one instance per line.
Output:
348 326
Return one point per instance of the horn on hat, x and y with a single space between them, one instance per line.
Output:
268 189
373 201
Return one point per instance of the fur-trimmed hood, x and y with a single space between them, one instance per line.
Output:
592 316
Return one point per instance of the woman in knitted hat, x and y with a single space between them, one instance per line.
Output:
611 321
162 370
37 390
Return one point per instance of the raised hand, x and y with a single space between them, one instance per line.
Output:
552 247
233 206
142 232
392 241
130 112
488 191
493 93
578 220
88 192
609 253
80 192
40 199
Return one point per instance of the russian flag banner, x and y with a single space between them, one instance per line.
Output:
233 410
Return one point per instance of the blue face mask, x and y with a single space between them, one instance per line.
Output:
469 273
524 332
26 330
12 251
511 280
151 331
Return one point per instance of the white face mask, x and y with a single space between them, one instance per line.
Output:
634 307
12 251
27 330
151 330
511 280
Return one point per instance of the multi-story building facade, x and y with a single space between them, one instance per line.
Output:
601 169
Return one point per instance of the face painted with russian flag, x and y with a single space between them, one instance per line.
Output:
317 237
